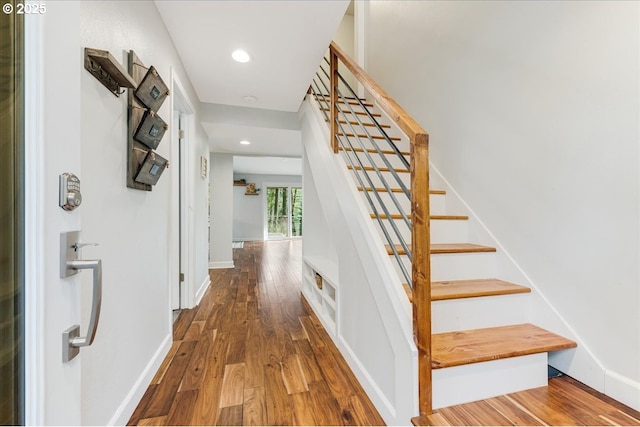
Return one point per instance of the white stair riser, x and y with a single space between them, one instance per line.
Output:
477 381
458 266
480 312
442 231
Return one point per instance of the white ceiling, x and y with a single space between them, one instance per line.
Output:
267 165
226 137
286 40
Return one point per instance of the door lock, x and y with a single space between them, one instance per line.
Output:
70 196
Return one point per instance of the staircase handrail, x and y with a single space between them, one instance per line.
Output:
420 234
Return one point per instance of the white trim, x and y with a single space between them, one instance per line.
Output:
622 389
380 401
221 264
183 105
34 352
130 402
248 239
202 289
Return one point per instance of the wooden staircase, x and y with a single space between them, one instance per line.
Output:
482 343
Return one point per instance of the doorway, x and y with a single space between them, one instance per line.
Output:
283 212
11 220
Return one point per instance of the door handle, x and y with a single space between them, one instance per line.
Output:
71 339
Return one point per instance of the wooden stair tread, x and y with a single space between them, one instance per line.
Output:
360 113
458 289
455 289
446 248
381 137
370 168
344 122
482 345
373 150
352 101
399 190
432 217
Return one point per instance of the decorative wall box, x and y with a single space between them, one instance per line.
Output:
104 67
152 91
251 190
151 130
151 169
146 128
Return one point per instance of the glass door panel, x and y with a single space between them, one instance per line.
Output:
277 213
296 212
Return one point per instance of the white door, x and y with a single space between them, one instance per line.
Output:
53 146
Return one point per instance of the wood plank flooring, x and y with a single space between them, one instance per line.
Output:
564 402
253 353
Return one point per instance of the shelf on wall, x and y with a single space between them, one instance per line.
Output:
104 67
327 268
323 297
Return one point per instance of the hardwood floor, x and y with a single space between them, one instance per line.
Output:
565 402
253 353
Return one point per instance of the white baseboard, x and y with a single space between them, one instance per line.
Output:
221 264
202 289
248 239
622 389
130 402
385 408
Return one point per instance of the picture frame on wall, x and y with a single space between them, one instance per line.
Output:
203 166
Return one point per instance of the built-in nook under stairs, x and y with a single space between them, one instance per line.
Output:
482 342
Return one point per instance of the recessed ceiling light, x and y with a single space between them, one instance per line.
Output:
250 98
241 56
245 142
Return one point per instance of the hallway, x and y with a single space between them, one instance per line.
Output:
253 353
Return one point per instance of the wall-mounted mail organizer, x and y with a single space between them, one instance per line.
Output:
146 128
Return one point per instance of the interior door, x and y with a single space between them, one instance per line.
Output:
11 221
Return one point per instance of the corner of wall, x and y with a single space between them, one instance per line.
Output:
202 289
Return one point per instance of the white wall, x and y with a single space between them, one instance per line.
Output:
221 176
532 110
345 38
249 211
373 321
133 227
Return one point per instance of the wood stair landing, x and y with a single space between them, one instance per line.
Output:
446 248
482 345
